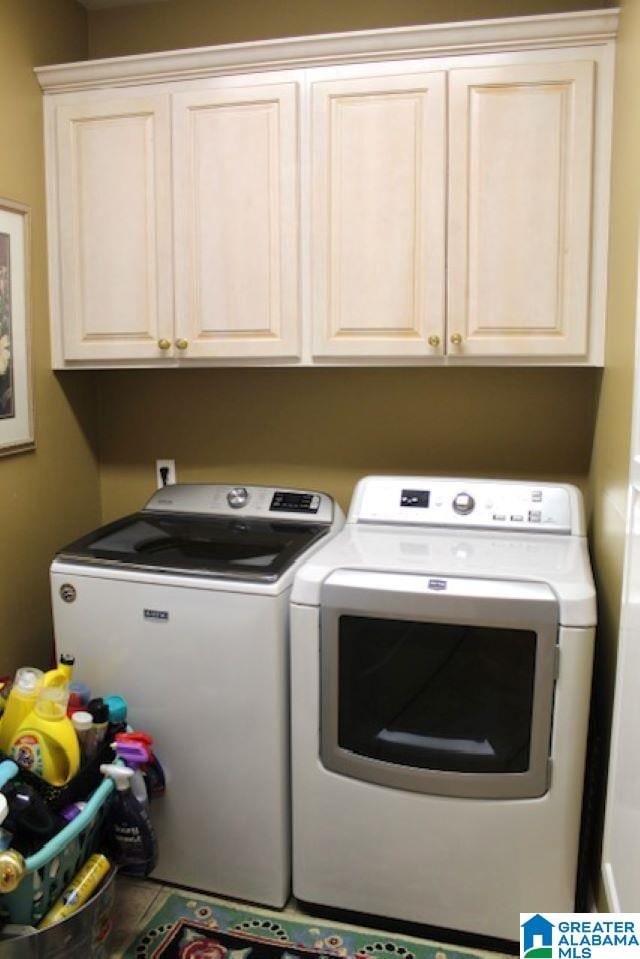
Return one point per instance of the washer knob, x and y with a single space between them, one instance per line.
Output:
463 504
237 497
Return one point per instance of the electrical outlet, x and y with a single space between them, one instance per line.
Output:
165 473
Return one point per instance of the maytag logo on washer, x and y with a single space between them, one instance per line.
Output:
437 584
158 615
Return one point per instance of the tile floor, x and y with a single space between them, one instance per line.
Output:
137 900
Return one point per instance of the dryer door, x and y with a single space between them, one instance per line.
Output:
438 685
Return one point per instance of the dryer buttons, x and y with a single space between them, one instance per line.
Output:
463 504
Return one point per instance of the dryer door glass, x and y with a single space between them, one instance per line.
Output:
449 692
436 695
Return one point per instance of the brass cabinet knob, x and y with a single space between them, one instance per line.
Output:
456 339
182 344
434 340
164 344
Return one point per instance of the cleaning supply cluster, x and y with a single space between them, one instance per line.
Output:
74 776
51 726
36 728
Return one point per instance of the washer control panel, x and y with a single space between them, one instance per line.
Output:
292 502
252 502
238 497
486 504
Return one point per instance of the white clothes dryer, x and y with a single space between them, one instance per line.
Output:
182 608
442 649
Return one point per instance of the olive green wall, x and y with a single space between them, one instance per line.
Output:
52 494
191 23
325 428
610 462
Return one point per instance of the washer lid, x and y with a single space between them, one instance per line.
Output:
198 545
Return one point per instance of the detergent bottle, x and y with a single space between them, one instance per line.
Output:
130 833
63 674
20 703
46 742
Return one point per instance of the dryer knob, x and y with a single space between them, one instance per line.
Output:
237 497
463 504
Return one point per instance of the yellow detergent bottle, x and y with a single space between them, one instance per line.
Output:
46 742
21 701
62 674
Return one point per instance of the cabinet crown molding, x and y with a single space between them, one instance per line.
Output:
399 43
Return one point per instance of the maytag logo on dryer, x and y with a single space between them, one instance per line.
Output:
157 615
571 935
437 584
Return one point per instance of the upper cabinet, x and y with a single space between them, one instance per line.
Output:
434 195
235 175
520 197
110 239
378 177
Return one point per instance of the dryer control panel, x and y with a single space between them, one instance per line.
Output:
468 503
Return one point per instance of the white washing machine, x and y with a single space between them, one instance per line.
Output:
442 650
182 608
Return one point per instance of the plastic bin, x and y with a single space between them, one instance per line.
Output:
53 867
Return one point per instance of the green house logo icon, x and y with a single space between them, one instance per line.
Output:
537 938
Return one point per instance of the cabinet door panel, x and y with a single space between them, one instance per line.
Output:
377 245
236 221
114 228
520 209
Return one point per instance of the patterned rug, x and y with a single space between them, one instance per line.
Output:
188 928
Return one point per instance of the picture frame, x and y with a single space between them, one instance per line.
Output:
16 379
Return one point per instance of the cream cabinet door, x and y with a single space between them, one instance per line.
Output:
378 215
235 152
114 228
520 210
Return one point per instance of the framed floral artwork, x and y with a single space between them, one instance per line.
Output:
16 388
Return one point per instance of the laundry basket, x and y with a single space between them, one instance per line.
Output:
53 867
